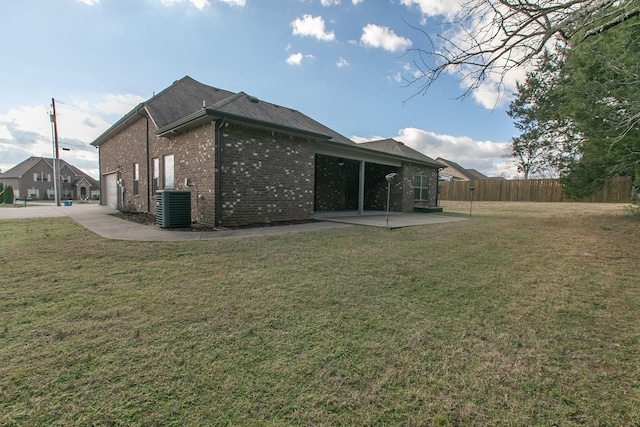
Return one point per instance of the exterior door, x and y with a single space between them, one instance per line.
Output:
111 193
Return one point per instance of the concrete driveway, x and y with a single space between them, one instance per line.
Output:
97 218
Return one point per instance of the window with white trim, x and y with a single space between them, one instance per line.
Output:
155 173
420 187
168 164
42 177
136 178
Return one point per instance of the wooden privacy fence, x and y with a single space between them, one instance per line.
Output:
530 190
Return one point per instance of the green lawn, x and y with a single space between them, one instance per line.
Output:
524 315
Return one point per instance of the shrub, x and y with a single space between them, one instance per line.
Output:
8 194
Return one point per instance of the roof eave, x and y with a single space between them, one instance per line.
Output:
196 118
385 154
118 126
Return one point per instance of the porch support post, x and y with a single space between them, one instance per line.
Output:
361 188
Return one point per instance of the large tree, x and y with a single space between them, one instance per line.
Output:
547 144
488 38
600 92
579 112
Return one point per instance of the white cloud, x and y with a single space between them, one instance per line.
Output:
497 89
4 132
436 7
329 2
382 37
34 119
342 63
88 2
297 58
116 104
198 4
241 3
484 156
355 2
312 26
26 130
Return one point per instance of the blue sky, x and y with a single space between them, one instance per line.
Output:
341 62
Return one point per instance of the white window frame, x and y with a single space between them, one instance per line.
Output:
421 183
168 167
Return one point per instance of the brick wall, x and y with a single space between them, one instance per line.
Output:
119 154
194 157
409 171
376 187
336 186
266 176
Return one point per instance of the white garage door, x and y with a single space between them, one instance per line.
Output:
111 193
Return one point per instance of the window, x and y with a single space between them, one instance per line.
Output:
155 171
42 177
168 171
421 187
66 178
136 178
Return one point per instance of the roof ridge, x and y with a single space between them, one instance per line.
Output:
226 101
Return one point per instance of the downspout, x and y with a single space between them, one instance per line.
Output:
146 137
218 172
437 187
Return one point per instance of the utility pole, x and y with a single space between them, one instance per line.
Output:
56 153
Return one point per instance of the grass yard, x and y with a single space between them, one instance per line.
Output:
528 314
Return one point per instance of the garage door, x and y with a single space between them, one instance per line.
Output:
111 193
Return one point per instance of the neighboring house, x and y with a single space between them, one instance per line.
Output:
247 161
34 178
455 172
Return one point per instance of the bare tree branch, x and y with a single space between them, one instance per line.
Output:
490 38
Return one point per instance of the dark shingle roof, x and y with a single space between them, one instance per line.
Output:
470 174
188 102
182 98
475 175
258 111
391 146
24 167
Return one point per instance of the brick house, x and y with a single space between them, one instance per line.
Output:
247 161
454 172
34 178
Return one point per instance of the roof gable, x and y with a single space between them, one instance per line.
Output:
470 174
187 102
182 98
255 110
25 166
29 164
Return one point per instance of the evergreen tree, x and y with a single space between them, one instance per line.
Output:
8 194
584 112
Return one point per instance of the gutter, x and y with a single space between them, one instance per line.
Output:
146 138
218 171
116 127
184 123
384 154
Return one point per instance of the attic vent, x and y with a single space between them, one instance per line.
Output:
254 99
